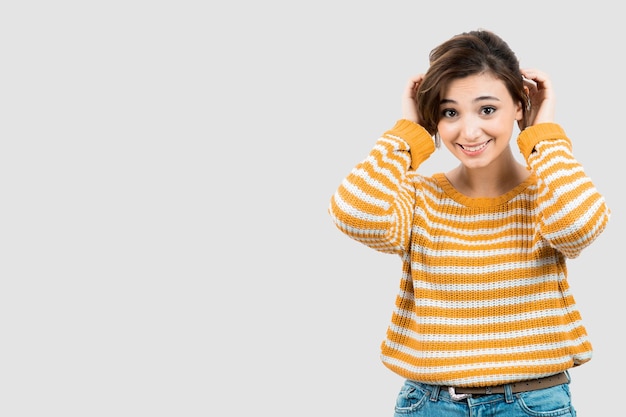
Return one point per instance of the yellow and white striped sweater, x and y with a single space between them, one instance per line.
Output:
483 296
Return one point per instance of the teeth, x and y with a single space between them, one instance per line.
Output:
474 148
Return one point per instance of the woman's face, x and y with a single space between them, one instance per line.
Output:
477 119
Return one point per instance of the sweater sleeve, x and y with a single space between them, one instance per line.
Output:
572 212
374 203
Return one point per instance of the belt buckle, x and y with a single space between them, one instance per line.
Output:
457 397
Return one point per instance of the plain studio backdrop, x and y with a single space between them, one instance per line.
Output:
165 173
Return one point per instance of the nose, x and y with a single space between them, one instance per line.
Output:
471 130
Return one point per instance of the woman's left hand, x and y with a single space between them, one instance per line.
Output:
541 96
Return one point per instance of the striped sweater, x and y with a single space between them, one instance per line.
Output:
484 297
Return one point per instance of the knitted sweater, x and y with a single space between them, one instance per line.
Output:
484 297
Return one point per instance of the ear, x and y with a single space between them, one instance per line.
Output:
527 96
519 114
519 111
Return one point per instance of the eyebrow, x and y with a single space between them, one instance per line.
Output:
477 99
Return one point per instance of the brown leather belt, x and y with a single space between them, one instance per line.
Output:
530 385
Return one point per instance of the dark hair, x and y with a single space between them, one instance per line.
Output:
468 53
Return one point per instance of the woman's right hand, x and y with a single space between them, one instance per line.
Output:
409 99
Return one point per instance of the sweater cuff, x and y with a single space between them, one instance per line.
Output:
421 143
536 133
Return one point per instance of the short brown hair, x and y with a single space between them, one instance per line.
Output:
466 54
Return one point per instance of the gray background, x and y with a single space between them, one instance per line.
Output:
165 171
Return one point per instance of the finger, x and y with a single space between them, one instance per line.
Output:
530 84
531 73
417 78
413 84
539 77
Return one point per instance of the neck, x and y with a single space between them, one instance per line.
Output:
494 180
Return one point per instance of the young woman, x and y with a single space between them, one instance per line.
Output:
484 320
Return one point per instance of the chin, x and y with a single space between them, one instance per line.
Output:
475 164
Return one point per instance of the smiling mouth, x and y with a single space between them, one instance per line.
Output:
475 148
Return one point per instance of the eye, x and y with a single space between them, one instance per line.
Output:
448 113
488 110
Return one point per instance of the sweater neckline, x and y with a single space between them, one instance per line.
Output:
453 193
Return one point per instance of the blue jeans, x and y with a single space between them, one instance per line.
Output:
422 400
